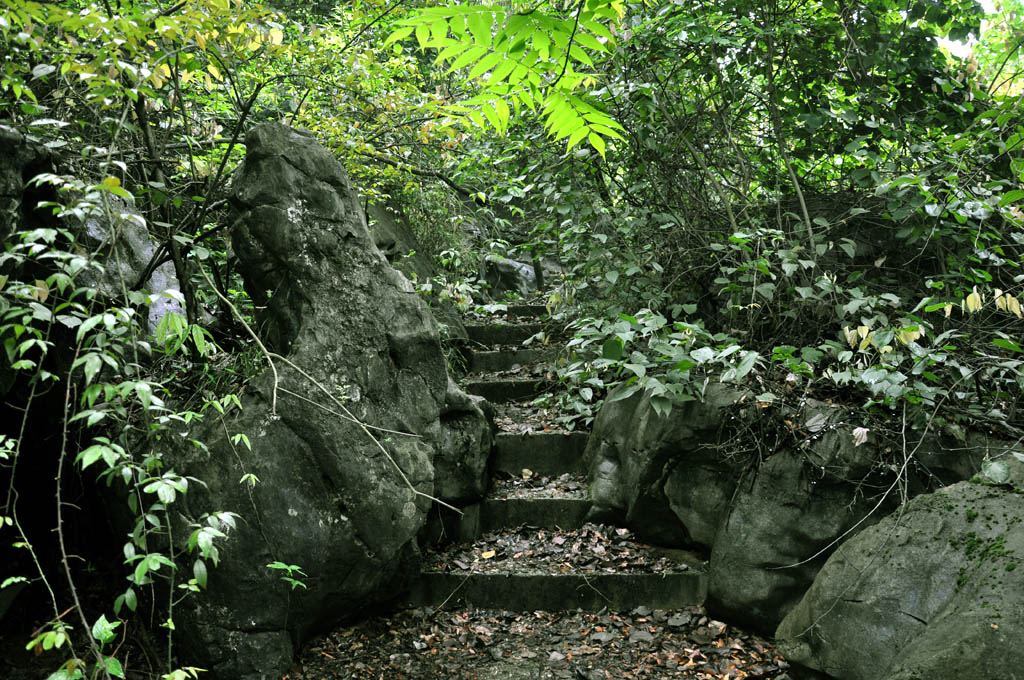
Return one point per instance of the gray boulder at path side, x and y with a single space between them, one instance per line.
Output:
127 245
330 498
504 275
665 477
933 593
696 479
394 237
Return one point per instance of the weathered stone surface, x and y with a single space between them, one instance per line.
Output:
395 238
505 275
765 514
127 248
464 447
934 592
334 497
796 503
20 161
636 458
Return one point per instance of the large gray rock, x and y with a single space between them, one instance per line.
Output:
463 447
396 240
504 275
790 507
20 161
804 500
664 476
936 591
770 512
122 241
342 501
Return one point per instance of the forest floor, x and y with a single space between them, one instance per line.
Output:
476 644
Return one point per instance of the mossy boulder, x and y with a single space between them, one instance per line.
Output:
936 591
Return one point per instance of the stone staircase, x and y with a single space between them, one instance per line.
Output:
473 561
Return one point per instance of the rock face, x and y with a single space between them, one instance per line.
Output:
936 592
342 501
127 249
505 275
764 515
463 448
394 237
20 161
663 476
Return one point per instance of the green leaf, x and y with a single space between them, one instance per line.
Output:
484 65
613 348
621 393
504 69
451 52
479 24
467 58
638 369
597 142
199 571
1007 344
746 364
103 630
422 35
702 355
113 666
1010 197
662 406
996 470
400 34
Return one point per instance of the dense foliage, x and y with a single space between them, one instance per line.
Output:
815 199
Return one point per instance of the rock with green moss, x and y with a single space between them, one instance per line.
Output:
343 436
936 591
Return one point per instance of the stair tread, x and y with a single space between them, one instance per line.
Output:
559 592
505 390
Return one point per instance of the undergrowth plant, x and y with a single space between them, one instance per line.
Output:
62 336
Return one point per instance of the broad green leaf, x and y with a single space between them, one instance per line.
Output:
113 666
199 571
422 35
479 24
451 52
613 349
1007 344
467 58
996 470
597 142
590 42
484 65
662 406
576 136
503 71
103 630
702 354
1011 197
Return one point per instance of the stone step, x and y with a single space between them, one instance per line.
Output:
502 391
559 592
527 310
502 333
495 514
543 513
548 454
483 362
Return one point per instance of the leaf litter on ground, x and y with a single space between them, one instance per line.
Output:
529 485
591 549
480 644
520 418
